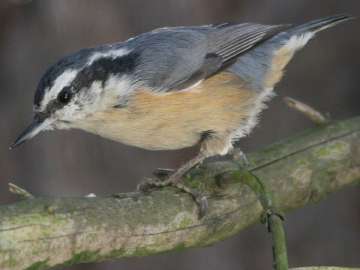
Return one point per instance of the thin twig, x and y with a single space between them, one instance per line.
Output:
324 268
273 220
314 115
20 191
280 257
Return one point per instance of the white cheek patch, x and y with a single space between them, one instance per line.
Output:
68 112
95 99
116 92
63 80
108 54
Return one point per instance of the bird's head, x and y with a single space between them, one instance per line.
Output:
78 86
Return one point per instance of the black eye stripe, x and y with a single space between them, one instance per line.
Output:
102 68
98 70
65 95
72 61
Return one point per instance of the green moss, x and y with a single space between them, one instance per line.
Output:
242 176
117 253
186 222
12 261
180 247
92 256
39 266
83 257
194 182
142 251
221 233
248 179
303 162
333 151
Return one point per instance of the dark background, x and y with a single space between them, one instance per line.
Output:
34 34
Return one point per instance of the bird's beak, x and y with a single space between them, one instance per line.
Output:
31 131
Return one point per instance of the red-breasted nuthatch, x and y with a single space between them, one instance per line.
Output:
172 88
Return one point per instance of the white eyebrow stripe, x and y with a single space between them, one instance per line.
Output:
115 53
63 80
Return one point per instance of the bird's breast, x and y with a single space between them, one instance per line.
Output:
176 119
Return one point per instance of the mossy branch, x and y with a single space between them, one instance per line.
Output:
324 268
43 232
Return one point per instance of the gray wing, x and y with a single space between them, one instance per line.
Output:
176 58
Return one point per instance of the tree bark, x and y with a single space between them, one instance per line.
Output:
324 268
42 232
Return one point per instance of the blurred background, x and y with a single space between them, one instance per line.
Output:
35 34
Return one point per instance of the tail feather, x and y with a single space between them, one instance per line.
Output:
295 39
321 24
263 66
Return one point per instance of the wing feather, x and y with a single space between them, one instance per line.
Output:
176 58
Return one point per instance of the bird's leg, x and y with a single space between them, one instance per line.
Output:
174 176
212 144
175 179
238 155
165 173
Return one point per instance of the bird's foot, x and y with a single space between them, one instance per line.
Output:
238 155
163 173
165 178
149 184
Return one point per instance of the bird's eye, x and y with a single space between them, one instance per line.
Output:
65 95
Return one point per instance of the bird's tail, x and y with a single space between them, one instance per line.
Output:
294 39
318 25
263 66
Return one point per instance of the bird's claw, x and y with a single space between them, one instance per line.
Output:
200 199
239 156
162 173
150 184
203 205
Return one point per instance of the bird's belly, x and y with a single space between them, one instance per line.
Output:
176 119
149 134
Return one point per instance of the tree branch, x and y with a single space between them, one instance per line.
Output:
43 232
324 268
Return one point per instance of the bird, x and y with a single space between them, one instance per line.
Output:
173 87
